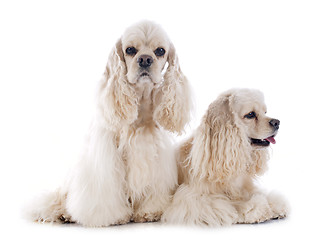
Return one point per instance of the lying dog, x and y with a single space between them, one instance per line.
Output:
220 161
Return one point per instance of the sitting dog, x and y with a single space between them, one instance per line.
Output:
220 161
127 170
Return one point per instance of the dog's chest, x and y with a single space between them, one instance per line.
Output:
149 161
140 154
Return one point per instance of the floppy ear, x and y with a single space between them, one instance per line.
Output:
174 109
220 148
116 97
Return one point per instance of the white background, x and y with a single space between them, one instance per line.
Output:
52 53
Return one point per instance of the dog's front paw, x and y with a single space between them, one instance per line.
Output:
147 217
125 220
261 208
256 210
65 218
278 205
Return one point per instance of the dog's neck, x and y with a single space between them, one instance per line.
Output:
145 108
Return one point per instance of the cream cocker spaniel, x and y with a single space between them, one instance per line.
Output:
220 161
127 170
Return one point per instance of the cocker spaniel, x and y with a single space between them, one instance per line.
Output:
127 171
218 165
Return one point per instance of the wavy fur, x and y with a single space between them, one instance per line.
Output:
117 100
173 111
127 171
218 166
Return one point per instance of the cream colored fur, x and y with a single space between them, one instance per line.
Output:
218 166
127 170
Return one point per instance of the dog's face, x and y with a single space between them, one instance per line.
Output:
145 49
251 110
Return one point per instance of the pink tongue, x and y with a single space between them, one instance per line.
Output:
271 140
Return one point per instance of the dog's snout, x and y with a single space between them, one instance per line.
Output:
275 123
144 61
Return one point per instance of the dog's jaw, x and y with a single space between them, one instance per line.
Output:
263 142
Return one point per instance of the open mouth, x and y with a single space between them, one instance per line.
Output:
144 74
263 142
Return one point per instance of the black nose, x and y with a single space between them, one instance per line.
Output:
275 123
144 61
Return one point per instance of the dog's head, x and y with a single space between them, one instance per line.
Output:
250 110
145 48
144 63
233 136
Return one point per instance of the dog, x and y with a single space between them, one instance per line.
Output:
219 163
127 170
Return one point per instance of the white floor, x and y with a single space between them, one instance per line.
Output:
291 228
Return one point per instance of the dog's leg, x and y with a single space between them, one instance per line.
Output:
97 190
279 206
261 207
152 173
151 207
191 207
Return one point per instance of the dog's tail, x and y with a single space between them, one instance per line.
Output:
48 207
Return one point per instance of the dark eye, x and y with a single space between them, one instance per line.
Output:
250 115
131 51
159 52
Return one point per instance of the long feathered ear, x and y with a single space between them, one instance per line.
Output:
220 148
117 99
174 109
